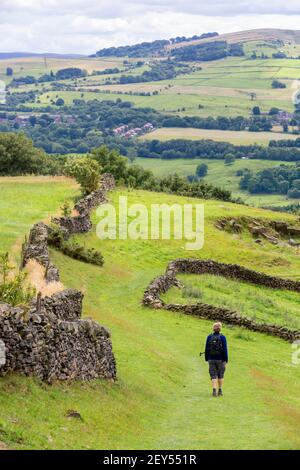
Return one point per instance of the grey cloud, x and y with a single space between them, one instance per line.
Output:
87 25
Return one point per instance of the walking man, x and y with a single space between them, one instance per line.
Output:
216 353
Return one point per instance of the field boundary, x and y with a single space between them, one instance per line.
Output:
162 284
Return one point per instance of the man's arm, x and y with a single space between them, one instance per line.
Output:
206 348
225 349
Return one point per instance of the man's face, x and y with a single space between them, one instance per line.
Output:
216 329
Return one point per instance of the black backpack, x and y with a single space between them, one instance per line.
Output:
215 346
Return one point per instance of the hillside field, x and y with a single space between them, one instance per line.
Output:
162 396
221 87
234 137
221 175
37 66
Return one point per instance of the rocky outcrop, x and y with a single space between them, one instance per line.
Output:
274 231
49 339
163 283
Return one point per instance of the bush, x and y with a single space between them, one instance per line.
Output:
86 172
72 248
278 84
12 287
201 170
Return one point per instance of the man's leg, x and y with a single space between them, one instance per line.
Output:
214 376
214 384
221 372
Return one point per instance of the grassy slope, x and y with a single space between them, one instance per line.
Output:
221 175
222 87
37 66
161 399
24 201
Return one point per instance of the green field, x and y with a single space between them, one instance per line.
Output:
162 396
255 302
221 175
234 137
37 66
25 200
222 87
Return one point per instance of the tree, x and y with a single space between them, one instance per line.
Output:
86 172
111 162
18 156
201 170
9 72
285 127
229 159
60 102
274 111
278 84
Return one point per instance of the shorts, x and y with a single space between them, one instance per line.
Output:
216 369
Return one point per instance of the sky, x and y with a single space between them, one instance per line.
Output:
85 26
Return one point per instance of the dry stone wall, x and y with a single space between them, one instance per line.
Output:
39 343
163 283
49 339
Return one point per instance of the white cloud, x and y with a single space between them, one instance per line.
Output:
84 26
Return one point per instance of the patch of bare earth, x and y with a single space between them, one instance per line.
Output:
36 278
3 446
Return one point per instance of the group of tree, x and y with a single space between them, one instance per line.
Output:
278 84
18 156
62 74
285 143
207 51
160 70
182 148
146 49
283 179
137 177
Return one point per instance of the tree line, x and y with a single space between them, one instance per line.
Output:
18 156
283 179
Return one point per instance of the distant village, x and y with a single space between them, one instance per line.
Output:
25 120
124 131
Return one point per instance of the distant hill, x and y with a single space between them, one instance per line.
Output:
268 34
164 46
154 48
20 55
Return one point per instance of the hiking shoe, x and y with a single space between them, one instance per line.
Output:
214 394
220 393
